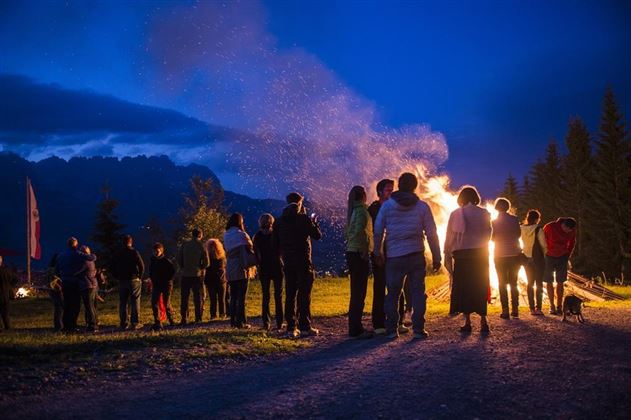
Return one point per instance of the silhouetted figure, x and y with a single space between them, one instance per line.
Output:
359 246
55 293
534 249
240 268
89 288
402 224
193 260
161 273
507 256
8 280
128 267
71 267
270 270
215 278
293 232
560 240
467 258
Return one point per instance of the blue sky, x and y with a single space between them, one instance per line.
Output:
498 79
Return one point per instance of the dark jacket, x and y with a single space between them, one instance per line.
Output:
293 232
267 254
127 264
70 266
161 271
8 280
216 271
88 280
373 210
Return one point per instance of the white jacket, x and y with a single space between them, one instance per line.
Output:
528 239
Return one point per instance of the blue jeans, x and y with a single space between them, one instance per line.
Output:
411 266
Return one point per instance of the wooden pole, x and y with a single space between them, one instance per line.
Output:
28 231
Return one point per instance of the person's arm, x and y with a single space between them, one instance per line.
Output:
140 264
275 236
570 245
171 268
205 260
380 230
429 227
314 229
541 237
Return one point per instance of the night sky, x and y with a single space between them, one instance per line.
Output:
497 79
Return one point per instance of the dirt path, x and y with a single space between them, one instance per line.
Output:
532 367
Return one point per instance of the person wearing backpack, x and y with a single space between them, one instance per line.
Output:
534 249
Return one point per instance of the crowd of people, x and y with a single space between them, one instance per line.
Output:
386 238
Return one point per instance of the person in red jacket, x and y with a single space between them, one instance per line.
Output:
560 241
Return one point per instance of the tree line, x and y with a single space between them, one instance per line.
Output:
591 181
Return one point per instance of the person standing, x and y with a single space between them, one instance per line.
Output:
71 266
293 232
215 278
56 296
193 260
359 246
401 227
560 240
8 280
89 287
467 258
506 234
241 268
161 273
535 248
128 267
270 270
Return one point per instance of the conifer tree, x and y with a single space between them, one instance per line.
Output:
107 229
511 191
576 184
545 185
610 211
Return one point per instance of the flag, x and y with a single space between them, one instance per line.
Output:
35 247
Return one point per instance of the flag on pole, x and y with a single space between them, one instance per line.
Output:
35 247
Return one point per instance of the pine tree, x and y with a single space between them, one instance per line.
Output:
203 209
610 212
107 229
545 185
576 184
511 191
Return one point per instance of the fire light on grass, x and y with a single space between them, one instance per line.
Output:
22 292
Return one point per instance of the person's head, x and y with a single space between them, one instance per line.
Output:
356 194
294 197
408 182
196 233
86 249
533 217
502 204
266 221
568 224
235 220
385 188
72 242
128 240
158 249
468 195
215 249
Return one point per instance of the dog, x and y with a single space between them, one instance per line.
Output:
572 305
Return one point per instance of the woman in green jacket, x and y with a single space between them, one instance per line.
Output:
359 245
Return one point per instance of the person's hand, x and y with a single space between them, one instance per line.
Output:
569 265
436 266
449 265
379 260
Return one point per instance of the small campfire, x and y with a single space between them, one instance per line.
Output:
22 292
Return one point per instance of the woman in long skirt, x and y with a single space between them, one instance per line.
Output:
467 258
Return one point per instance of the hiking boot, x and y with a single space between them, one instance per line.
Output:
538 312
421 334
532 311
403 329
380 331
294 333
484 328
310 332
514 313
156 326
504 315
363 335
